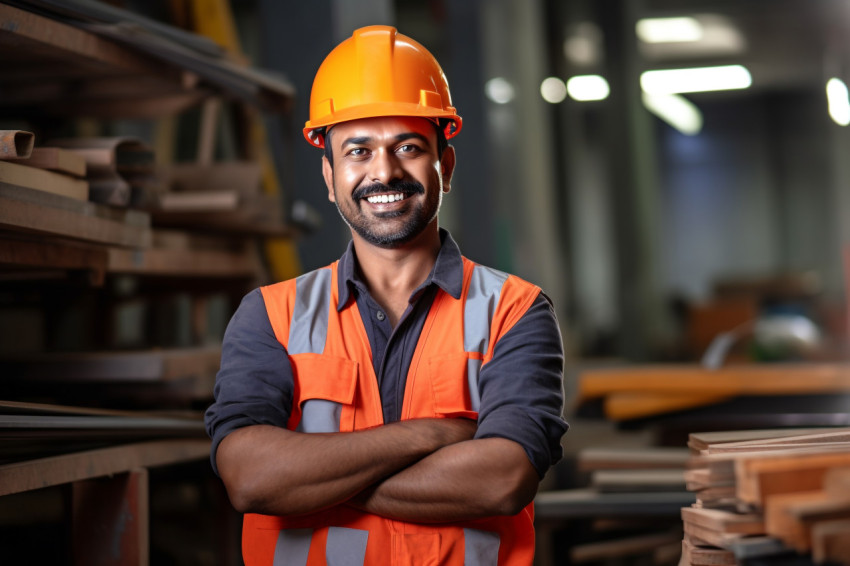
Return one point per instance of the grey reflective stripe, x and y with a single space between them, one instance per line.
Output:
308 329
481 548
485 287
346 547
292 547
473 366
319 415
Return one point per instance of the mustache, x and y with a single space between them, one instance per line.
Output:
394 186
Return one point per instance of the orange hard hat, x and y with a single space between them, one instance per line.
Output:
379 72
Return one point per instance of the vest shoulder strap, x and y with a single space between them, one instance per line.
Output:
299 309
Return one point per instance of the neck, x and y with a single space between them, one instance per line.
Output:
392 274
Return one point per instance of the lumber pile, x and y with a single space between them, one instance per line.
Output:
767 493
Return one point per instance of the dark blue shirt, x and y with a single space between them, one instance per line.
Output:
521 387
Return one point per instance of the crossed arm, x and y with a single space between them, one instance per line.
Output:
425 470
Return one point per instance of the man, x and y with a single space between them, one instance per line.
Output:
401 405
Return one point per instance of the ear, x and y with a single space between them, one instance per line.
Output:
328 174
447 167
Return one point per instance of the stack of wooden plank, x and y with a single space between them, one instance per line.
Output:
768 492
120 170
50 169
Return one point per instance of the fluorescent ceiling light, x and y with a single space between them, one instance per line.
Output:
668 30
691 37
839 102
704 79
553 90
499 90
676 110
588 87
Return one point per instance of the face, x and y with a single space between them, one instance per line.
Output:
386 178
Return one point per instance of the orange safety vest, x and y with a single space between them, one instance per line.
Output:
336 389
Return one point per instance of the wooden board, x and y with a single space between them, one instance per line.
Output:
186 263
724 521
705 556
590 459
643 481
624 547
56 159
243 177
58 470
758 477
18 253
142 366
790 516
819 439
711 537
755 379
698 441
631 405
36 211
572 503
831 542
15 173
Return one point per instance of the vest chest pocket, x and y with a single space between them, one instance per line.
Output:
324 393
454 384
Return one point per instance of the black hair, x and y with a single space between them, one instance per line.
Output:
442 142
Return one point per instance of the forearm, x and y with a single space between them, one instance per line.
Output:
280 472
464 481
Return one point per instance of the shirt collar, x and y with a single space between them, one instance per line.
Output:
447 273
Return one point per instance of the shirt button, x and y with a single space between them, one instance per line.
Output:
380 315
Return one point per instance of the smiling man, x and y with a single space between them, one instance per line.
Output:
401 405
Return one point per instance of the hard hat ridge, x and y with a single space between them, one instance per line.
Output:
379 72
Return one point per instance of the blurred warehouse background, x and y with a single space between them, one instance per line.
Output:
632 207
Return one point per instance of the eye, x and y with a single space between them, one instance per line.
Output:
357 152
409 148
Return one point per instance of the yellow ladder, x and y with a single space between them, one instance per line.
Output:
214 19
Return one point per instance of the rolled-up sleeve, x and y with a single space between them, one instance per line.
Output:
254 383
521 387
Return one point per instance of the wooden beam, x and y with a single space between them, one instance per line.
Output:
694 555
755 379
831 542
572 503
111 518
20 253
58 470
36 211
760 476
112 367
184 263
724 521
23 175
29 31
56 159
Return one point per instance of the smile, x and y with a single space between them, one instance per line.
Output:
380 199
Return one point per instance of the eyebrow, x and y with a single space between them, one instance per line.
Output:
398 138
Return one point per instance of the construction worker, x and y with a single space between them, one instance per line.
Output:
401 405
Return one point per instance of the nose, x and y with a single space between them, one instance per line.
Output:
385 167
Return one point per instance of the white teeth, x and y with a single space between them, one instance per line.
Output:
385 198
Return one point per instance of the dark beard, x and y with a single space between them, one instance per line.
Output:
419 220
